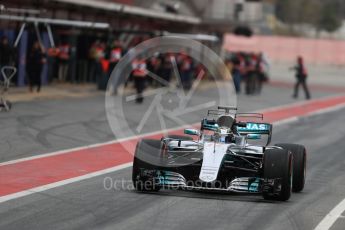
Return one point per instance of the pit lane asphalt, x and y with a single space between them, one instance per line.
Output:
43 126
88 205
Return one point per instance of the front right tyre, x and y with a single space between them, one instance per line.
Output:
299 166
278 166
146 158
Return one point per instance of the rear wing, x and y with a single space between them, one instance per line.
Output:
222 110
250 115
256 128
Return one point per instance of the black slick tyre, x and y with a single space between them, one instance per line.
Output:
278 165
147 157
299 166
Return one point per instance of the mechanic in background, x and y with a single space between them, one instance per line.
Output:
35 62
92 61
260 77
251 74
139 75
115 54
165 66
186 71
301 77
101 68
64 57
236 72
153 65
6 54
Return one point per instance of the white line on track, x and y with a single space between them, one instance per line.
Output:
119 167
331 217
92 146
63 182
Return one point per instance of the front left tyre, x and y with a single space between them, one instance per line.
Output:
278 166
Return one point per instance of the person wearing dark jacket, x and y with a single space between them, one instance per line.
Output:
36 59
6 54
114 55
236 73
139 74
301 77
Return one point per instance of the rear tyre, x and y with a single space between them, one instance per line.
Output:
299 166
179 137
278 163
147 157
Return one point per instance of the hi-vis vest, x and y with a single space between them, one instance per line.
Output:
115 54
64 52
99 53
187 64
139 68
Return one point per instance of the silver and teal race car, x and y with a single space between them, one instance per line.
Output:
224 156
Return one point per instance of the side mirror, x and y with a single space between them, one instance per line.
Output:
253 136
192 132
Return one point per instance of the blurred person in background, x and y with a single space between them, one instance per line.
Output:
35 62
6 54
251 65
186 71
52 59
301 77
92 56
266 65
165 66
82 59
100 70
236 72
64 57
152 66
242 66
115 54
259 73
139 74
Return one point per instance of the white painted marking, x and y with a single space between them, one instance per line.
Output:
93 145
63 182
119 167
331 217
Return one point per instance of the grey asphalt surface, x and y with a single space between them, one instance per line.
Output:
44 126
89 204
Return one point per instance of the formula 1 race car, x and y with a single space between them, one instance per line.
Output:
220 158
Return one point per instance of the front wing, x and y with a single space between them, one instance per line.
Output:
174 180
